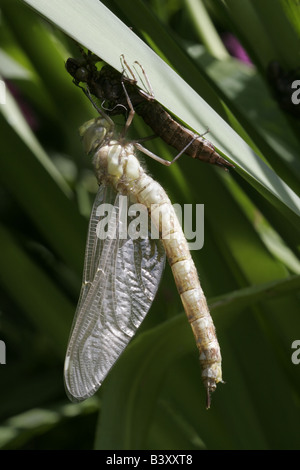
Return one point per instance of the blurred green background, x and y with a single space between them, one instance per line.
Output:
249 265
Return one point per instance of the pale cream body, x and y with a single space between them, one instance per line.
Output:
115 164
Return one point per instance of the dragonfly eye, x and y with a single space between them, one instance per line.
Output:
93 134
77 70
82 74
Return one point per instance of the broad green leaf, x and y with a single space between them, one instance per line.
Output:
154 397
98 28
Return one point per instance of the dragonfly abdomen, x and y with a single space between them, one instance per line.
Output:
186 278
195 305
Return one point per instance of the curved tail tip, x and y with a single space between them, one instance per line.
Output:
208 398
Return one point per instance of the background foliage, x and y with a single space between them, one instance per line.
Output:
249 267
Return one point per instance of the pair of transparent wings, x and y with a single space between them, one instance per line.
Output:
120 280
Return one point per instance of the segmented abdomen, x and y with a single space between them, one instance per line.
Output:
178 136
151 194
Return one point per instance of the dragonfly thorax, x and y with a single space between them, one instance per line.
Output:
116 164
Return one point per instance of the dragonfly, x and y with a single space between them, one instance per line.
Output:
122 272
107 84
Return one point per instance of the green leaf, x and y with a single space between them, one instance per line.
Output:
97 32
154 397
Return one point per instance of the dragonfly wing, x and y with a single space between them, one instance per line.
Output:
121 277
94 245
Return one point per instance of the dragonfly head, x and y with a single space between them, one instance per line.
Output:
95 133
77 70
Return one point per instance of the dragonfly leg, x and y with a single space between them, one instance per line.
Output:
125 66
162 160
190 142
183 150
99 110
152 155
131 110
204 133
156 157
148 92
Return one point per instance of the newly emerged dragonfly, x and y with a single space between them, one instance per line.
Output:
107 85
122 272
